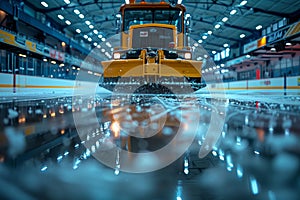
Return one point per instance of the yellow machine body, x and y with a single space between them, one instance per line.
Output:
152 49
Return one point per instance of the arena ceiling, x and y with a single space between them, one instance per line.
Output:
215 22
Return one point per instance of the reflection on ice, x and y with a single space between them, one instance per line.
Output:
256 155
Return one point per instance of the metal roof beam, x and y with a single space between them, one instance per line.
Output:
66 6
211 44
222 37
230 26
278 14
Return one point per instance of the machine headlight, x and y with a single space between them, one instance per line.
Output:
188 55
117 56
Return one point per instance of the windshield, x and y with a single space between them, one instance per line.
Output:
147 16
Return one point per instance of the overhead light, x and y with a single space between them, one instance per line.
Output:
76 11
67 1
89 39
78 30
100 36
248 56
86 37
233 12
91 26
127 1
98 46
118 15
242 35
225 45
204 37
225 19
273 49
258 27
108 44
95 44
63 44
205 56
213 52
288 44
22 55
224 71
44 4
209 32
222 65
244 2
60 17
179 1
200 41
96 31
81 16
103 39
87 22
217 26
68 22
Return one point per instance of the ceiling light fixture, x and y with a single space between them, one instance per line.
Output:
91 26
127 1
60 17
96 31
76 11
217 26
244 2
81 16
89 39
242 35
67 1
86 37
44 4
209 32
100 36
213 52
225 19
179 1
68 22
108 44
233 12
78 30
204 37
225 45
200 41
87 22
258 27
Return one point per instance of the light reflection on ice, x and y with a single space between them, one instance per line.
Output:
254 185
